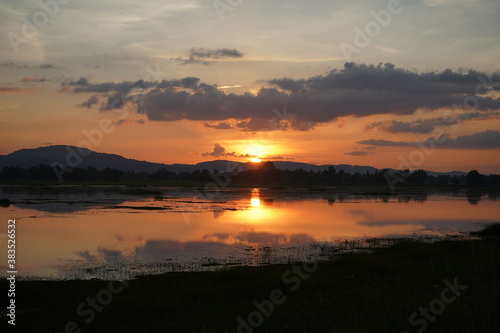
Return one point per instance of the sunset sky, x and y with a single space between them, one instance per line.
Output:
382 83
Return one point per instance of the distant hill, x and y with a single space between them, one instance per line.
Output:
83 158
74 157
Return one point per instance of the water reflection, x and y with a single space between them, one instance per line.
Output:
217 212
473 197
255 200
492 195
243 226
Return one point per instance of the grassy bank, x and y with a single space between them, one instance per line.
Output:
363 292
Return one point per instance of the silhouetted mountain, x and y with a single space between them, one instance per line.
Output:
74 157
83 158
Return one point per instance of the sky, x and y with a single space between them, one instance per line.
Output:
397 84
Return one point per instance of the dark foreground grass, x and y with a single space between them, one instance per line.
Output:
364 292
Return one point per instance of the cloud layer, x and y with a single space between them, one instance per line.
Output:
483 140
355 90
218 151
430 124
206 56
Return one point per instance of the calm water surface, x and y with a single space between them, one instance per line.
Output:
118 232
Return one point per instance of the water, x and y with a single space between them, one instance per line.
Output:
118 232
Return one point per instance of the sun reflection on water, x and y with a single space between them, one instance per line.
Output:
255 199
257 212
256 219
255 202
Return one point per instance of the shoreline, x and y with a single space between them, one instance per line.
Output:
379 290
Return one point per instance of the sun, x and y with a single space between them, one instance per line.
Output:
255 160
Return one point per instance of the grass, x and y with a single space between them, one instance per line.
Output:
357 292
492 230
4 202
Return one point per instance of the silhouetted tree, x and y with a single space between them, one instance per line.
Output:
268 166
443 179
267 173
417 177
493 180
473 178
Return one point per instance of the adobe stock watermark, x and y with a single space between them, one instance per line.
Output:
31 24
426 148
222 180
277 123
88 309
363 37
225 6
293 279
425 315
210 191
95 136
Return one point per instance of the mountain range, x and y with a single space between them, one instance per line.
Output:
76 157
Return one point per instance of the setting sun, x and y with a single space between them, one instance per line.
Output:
189 155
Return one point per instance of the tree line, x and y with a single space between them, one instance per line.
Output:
266 174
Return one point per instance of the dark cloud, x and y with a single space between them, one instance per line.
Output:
82 81
277 157
116 95
301 238
220 125
189 82
218 151
429 125
110 255
116 100
94 99
124 120
208 103
9 63
21 65
299 125
83 85
217 236
289 84
32 79
12 90
46 66
483 140
85 255
269 237
386 77
167 247
358 90
257 124
385 143
261 237
358 153
206 56
394 126
321 98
